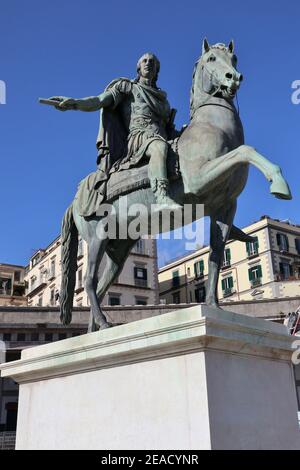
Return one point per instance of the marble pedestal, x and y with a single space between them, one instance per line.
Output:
197 378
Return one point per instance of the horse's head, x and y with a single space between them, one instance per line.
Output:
215 72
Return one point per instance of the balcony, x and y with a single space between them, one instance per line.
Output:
79 288
37 287
252 254
140 282
256 282
226 264
199 275
51 276
227 292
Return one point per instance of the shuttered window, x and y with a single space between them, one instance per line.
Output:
282 242
199 268
227 257
252 247
227 283
255 273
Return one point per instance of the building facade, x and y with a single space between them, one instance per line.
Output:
12 285
136 285
268 268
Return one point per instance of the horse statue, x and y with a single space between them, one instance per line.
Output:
214 163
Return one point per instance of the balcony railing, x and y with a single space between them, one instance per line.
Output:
227 292
256 282
226 264
141 282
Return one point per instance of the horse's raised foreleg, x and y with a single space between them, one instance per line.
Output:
220 226
279 187
218 169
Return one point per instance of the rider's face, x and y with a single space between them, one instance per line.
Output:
148 67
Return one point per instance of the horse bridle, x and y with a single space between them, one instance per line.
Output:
211 76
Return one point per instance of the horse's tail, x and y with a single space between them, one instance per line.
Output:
69 247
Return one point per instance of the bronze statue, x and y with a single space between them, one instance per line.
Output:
210 153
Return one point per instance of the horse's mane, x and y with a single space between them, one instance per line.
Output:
219 46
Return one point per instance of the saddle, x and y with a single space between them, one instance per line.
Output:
120 183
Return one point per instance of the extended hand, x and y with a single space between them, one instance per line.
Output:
64 103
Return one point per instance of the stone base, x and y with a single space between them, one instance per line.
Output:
197 378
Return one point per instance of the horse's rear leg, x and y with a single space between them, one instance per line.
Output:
220 226
117 252
96 250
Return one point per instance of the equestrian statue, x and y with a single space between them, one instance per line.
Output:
141 156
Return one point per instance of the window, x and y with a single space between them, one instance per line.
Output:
40 301
227 285
297 244
141 301
282 242
6 336
286 270
200 294
199 268
255 275
79 279
43 276
140 247
52 297
34 337
140 276
114 300
252 247
80 248
227 258
48 336
52 269
21 337
17 276
35 260
176 298
175 279
188 272
32 282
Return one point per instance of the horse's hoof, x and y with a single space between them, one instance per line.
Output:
103 326
279 188
213 305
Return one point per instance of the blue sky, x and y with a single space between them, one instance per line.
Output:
75 48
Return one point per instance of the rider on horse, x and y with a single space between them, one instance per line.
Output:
136 123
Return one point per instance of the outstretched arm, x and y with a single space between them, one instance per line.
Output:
91 103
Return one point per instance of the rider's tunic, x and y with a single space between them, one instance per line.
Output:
145 113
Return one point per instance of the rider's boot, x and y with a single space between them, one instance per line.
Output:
160 188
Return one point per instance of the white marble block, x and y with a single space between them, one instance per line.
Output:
198 378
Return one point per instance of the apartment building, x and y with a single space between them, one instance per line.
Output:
136 285
267 268
12 285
